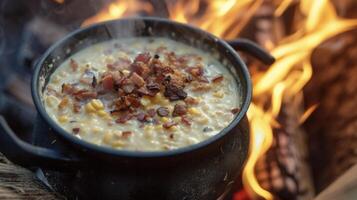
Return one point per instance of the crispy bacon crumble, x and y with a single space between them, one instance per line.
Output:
145 76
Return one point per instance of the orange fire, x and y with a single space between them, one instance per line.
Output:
283 80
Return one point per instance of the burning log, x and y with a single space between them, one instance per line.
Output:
284 170
19 183
332 128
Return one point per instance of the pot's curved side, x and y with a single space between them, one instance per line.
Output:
204 176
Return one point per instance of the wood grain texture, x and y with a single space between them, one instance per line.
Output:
20 183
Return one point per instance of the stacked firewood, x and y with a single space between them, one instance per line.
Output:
333 127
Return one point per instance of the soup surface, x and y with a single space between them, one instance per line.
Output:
143 94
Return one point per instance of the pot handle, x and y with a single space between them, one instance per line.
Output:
253 49
27 155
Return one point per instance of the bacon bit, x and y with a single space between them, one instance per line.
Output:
94 82
201 87
177 79
163 111
235 110
168 125
122 103
143 57
203 79
115 112
118 78
76 130
191 101
110 66
189 78
159 69
153 87
144 91
179 110
76 107
124 118
195 71
134 101
63 103
108 82
121 92
173 92
185 120
84 95
151 112
140 68
73 64
137 80
126 134
217 79
68 88
141 117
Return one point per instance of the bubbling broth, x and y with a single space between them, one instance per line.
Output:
142 94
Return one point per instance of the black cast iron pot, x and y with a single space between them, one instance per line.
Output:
202 171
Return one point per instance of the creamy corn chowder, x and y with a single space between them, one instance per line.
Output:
143 94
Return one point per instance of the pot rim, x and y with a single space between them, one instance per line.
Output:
130 153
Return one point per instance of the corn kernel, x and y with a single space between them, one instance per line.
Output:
145 101
97 104
158 98
165 102
107 138
118 143
122 55
192 140
164 119
102 113
158 128
51 101
97 129
109 59
108 117
90 108
63 119
173 128
193 111
117 135
218 94
148 128
64 103
202 120
126 72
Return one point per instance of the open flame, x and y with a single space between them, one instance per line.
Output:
283 80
